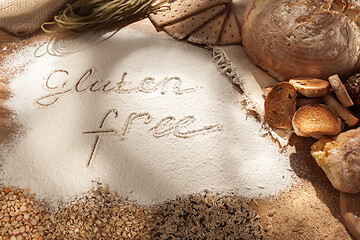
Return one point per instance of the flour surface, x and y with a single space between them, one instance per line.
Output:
149 116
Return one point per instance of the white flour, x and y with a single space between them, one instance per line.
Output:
162 120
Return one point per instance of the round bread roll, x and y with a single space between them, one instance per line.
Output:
340 160
302 38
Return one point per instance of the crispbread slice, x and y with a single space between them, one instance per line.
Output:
210 32
182 9
310 87
313 120
183 28
230 34
280 105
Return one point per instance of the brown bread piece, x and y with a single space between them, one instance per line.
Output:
230 34
181 9
340 160
315 120
280 105
183 28
310 87
210 32
292 38
350 212
343 112
340 91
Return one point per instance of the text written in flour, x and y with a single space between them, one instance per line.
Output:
58 84
166 126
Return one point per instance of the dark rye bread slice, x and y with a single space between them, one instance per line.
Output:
181 9
280 105
315 120
182 29
210 32
230 33
310 87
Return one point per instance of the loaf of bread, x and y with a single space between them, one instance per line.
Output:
302 38
280 105
340 160
315 121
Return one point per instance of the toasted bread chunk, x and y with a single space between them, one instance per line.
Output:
280 105
340 91
339 158
315 120
310 87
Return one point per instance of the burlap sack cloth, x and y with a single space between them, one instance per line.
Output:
22 17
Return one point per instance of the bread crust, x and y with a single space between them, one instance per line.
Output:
340 160
316 120
280 105
298 38
310 87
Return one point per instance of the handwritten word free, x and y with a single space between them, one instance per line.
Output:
89 83
166 126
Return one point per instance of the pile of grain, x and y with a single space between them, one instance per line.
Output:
21 217
101 214
208 217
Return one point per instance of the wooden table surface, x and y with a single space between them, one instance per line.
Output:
314 181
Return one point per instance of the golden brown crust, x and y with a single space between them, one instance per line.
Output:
280 105
340 160
314 120
310 87
295 38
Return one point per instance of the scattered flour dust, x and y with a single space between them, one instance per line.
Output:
149 116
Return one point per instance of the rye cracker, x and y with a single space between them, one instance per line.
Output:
210 32
316 120
185 27
181 9
230 34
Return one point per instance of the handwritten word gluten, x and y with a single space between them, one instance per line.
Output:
166 126
88 83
